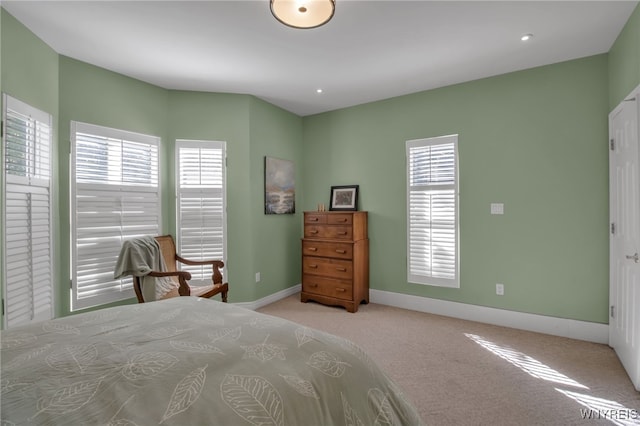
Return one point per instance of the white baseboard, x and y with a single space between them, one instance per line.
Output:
271 298
574 329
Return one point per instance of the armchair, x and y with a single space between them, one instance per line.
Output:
168 250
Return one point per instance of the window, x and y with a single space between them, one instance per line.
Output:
115 196
201 227
27 262
432 211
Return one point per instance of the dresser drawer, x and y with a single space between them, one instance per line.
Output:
340 289
340 219
315 218
327 267
329 232
327 249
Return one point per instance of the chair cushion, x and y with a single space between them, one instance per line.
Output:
171 293
200 290
195 291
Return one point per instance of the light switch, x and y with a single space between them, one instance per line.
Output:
497 208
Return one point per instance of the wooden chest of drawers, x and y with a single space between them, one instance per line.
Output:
335 259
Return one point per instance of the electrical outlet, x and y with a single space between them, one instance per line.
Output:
257 277
500 289
497 208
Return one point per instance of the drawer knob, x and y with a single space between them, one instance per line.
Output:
342 233
341 269
312 249
341 289
313 219
343 220
313 231
313 285
313 266
341 251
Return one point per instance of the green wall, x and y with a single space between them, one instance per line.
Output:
624 61
531 139
76 91
98 96
94 95
276 238
29 67
221 117
534 140
29 72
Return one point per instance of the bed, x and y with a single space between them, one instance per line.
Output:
190 361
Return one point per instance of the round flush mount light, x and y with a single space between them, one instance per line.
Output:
526 37
318 91
303 13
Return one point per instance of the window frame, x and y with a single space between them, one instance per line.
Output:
36 312
120 289
413 276
200 278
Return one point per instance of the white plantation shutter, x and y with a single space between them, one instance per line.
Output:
432 211
116 196
200 170
27 263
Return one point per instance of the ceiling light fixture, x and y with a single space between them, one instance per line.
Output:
526 37
303 13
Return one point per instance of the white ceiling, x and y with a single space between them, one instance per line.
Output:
370 50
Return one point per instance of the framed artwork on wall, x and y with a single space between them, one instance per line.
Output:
344 197
279 186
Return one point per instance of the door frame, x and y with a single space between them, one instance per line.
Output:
628 344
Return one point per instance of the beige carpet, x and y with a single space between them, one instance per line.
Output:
466 373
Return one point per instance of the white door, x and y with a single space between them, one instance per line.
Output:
624 189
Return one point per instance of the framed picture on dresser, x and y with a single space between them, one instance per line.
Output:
344 197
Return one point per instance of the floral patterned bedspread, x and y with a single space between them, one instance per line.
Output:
190 361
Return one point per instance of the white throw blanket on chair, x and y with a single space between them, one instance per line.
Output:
138 257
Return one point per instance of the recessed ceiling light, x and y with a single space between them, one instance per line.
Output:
318 90
526 37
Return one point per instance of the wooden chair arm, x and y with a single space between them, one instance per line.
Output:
215 265
186 275
220 263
